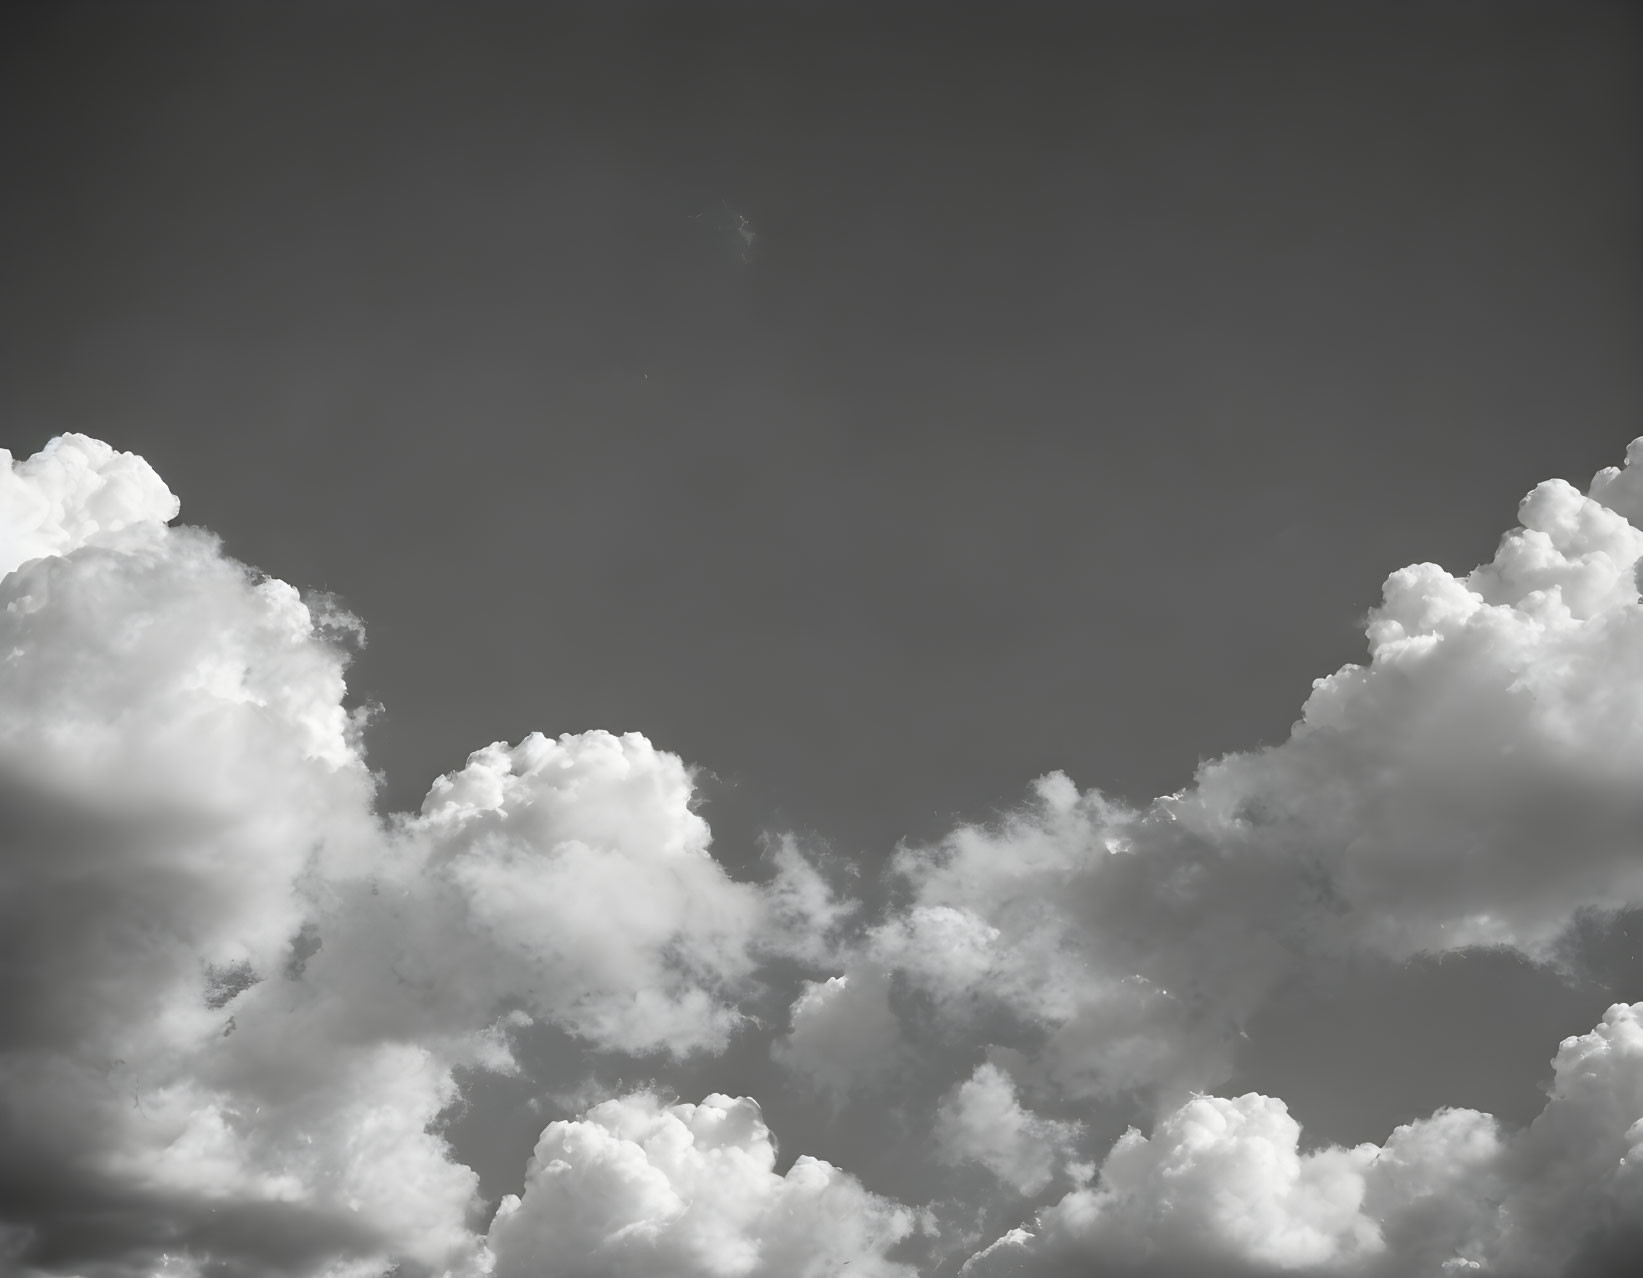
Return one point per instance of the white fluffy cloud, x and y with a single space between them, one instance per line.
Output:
1498 717
1118 940
1222 1185
983 1121
1476 782
180 771
75 492
231 987
680 1191
844 1038
567 876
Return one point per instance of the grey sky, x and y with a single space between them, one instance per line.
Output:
1090 378
1084 381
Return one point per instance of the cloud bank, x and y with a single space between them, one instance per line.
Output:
243 1005
1221 1185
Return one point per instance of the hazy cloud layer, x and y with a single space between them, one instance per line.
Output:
243 1005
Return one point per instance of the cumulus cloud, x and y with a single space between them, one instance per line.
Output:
231 986
1222 1185
844 1038
180 770
569 876
982 1121
1475 782
1497 717
242 1002
637 1186
1109 934
75 492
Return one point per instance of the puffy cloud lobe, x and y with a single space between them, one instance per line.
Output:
982 1121
570 876
1620 488
1221 1186
1220 1177
1579 1167
1498 717
358 1147
1432 1191
1110 933
675 1191
844 1038
569 880
75 492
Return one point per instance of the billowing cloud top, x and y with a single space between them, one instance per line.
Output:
243 1005
638 1187
74 492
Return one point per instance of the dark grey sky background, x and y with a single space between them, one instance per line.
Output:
1087 377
